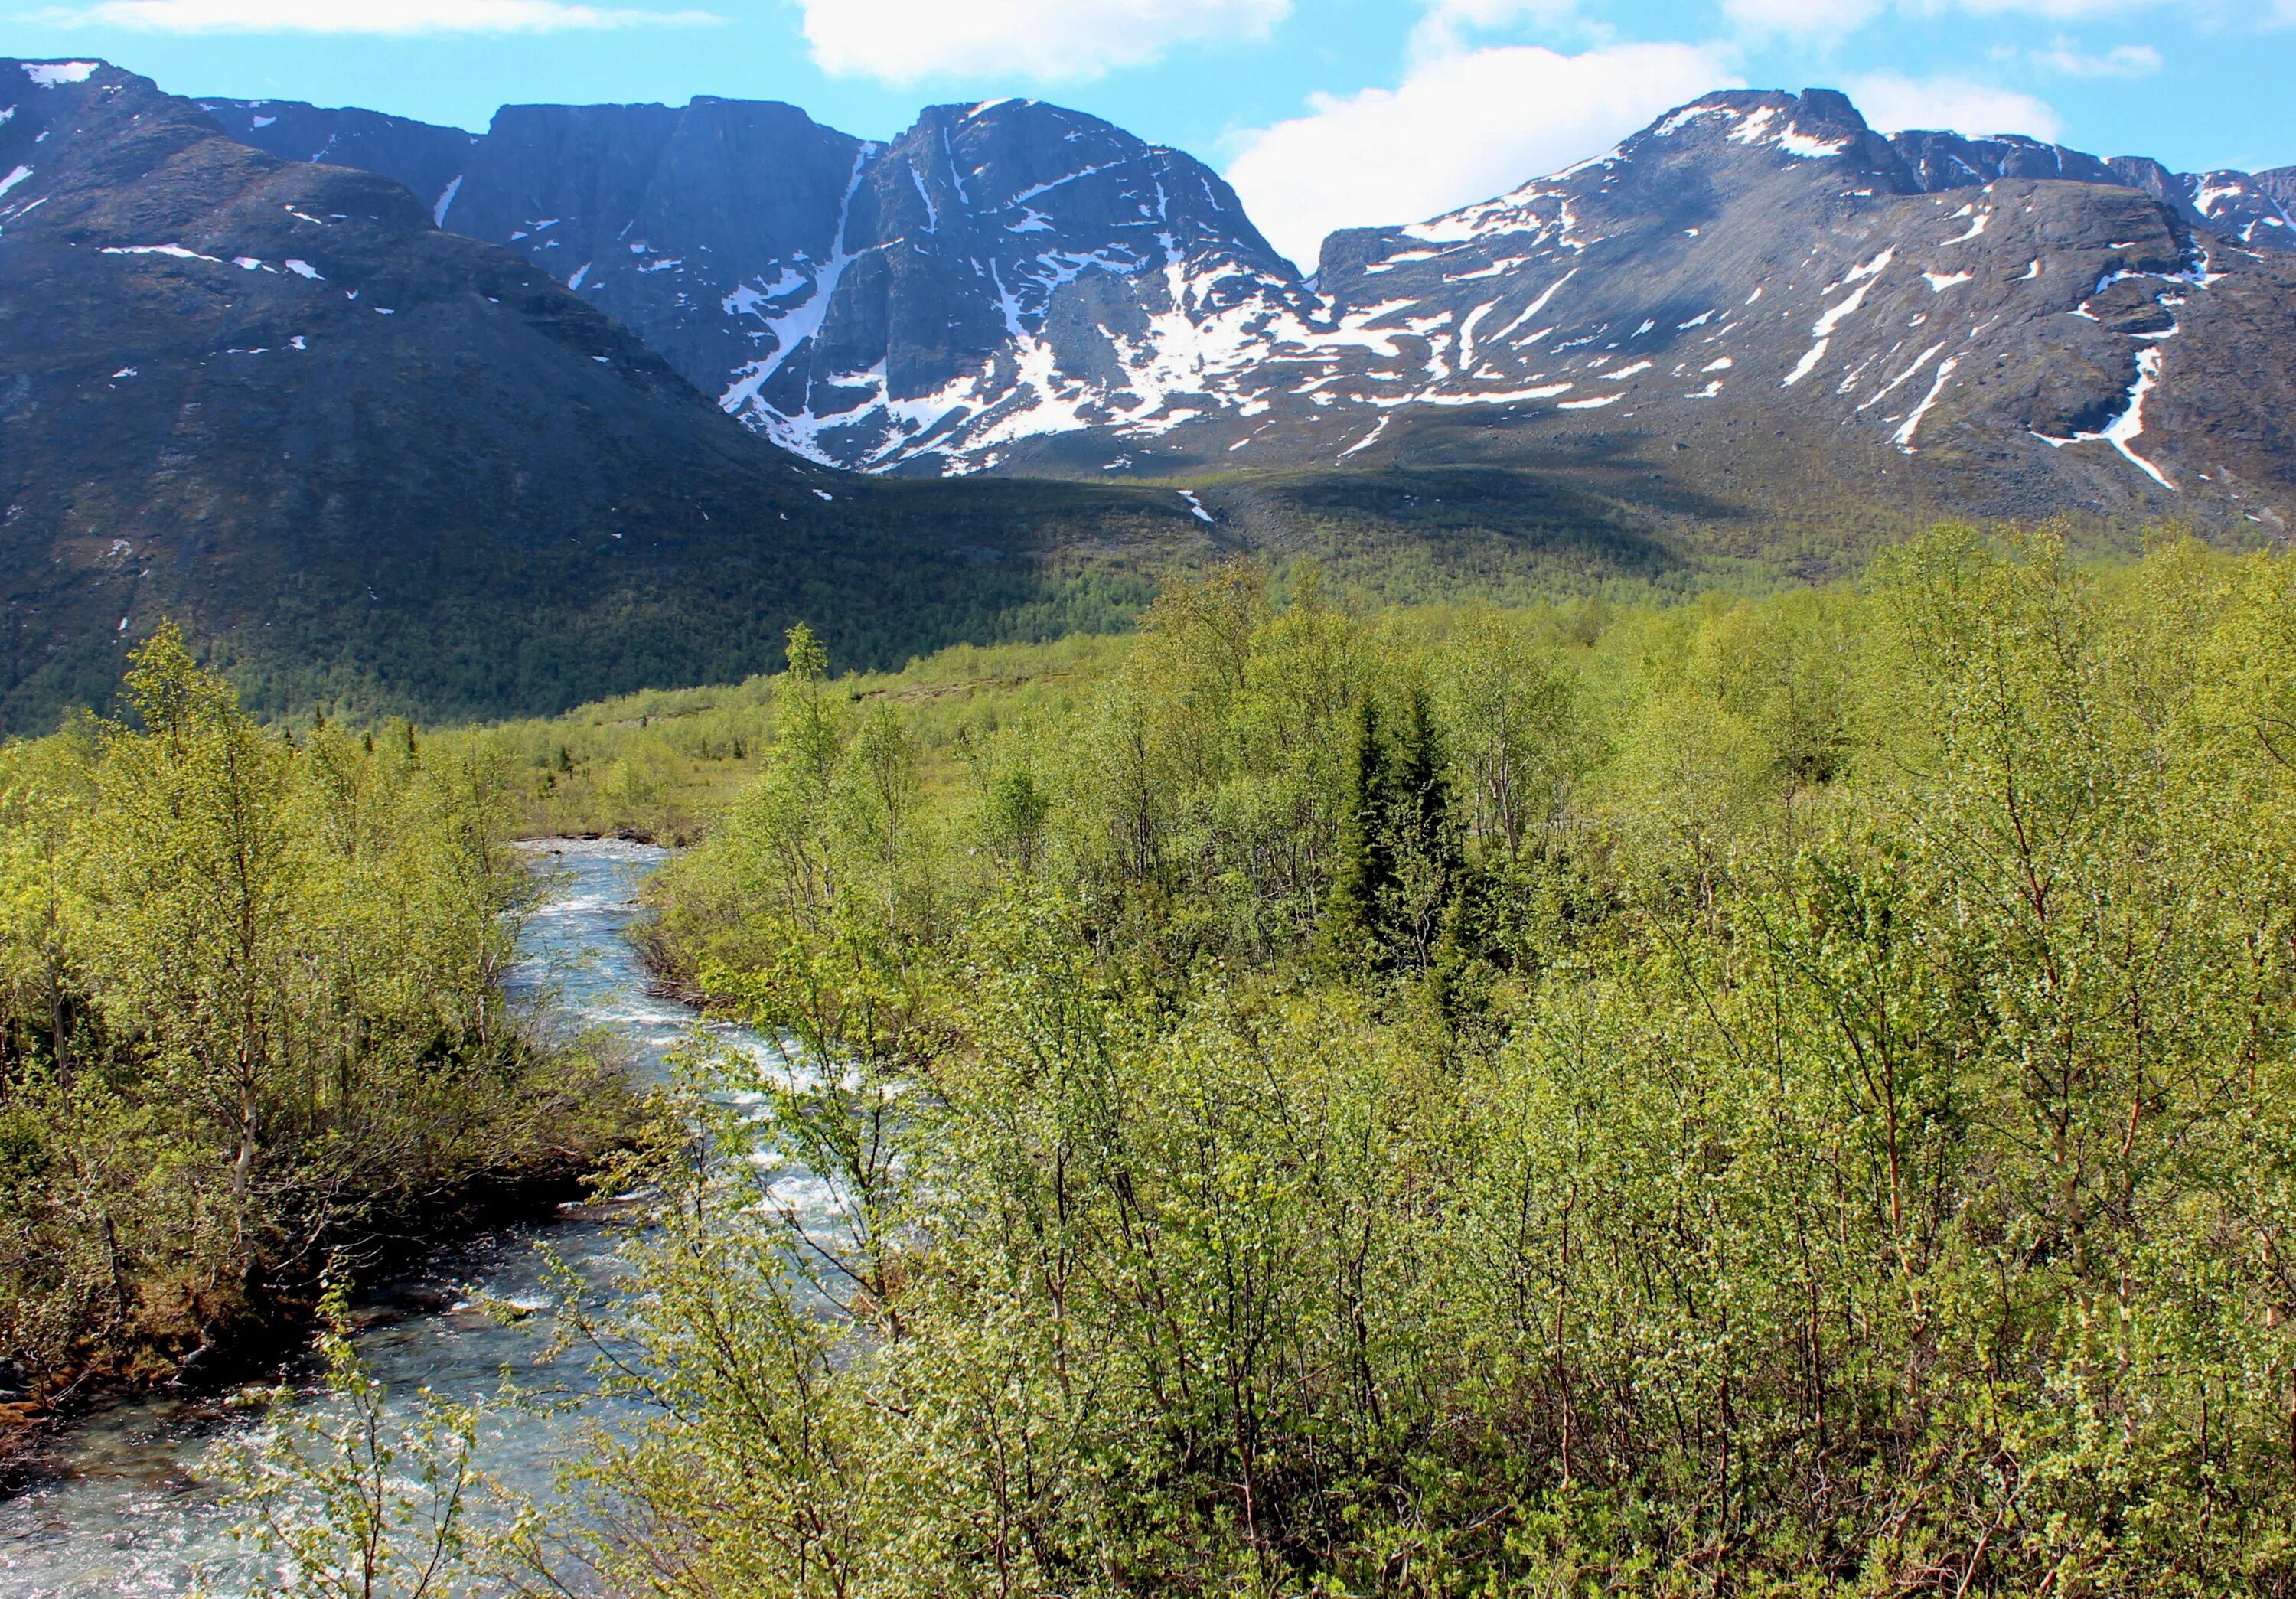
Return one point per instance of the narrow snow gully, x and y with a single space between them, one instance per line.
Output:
795 326
2129 424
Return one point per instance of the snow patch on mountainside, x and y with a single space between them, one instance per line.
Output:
50 75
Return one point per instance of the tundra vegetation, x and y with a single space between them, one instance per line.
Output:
1778 1096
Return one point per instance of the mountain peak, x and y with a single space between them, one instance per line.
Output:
1829 108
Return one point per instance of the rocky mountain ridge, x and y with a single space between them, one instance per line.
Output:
997 273
1019 286
2249 207
1757 299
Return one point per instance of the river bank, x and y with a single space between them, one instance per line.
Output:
205 1361
115 1503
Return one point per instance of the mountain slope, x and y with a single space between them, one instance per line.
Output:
372 459
422 158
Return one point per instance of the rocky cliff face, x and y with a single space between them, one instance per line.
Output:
1003 271
997 272
2251 209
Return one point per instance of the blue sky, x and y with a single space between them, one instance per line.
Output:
1324 112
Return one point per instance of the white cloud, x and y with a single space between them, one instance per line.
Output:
367 16
1498 13
1459 128
1441 28
1821 18
2061 11
1892 102
1801 16
2123 61
901 41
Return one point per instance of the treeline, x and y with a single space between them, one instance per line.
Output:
252 1020
1782 1096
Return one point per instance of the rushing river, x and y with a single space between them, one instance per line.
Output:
117 1507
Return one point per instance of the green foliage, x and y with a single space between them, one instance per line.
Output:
250 1012
1767 1097
344 1500
658 764
1804 1107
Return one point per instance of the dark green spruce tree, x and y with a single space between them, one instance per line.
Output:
1363 877
1396 882
1425 867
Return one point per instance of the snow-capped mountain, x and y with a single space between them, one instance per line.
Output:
997 272
274 402
1016 285
1758 295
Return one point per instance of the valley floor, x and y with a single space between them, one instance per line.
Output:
1790 1093
1480 1102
